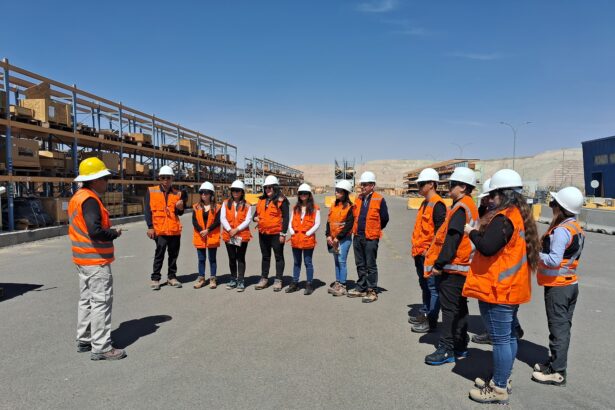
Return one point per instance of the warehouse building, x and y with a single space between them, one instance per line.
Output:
599 165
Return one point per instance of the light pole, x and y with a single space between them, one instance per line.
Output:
514 130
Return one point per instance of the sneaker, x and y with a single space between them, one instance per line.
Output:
370 297
541 367
490 393
212 283
200 282
155 285
83 347
174 283
415 320
356 293
550 376
340 291
481 383
277 285
423 327
440 356
241 286
232 284
113 354
262 284
333 287
309 289
482 339
293 287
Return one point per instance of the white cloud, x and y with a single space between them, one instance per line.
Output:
378 6
477 56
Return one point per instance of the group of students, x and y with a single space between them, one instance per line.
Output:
489 254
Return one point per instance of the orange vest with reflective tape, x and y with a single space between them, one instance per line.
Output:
270 216
424 228
87 251
461 262
165 222
300 240
373 230
235 219
212 240
337 218
566 273
504 278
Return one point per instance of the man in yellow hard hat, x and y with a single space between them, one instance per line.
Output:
92 245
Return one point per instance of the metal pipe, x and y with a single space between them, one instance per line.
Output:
9 147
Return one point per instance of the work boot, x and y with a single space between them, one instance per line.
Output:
550 376
333 287
541 367
241 286
293 287
212 283
155 285
482 339
83 347
200 282
113 354
480 383
424 327
262 284
356 293
441 356
232 284
370 297
489 394
174 283
277 285
415 320
309 289
340 291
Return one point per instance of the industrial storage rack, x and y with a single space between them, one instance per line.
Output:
213 160
444 168
256 169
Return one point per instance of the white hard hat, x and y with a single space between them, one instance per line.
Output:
505 178
368 177
486 186
207 186
569 198
305 188
345 185
271 180
464 175
428 175
166 170
238 184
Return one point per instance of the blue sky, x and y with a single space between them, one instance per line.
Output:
308 81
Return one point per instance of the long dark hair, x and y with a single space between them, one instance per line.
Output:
212 196
512 198
240 204
345 201
563 215
309 205
277 193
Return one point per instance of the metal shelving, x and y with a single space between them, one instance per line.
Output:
256 169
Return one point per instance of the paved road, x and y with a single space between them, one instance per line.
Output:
219 349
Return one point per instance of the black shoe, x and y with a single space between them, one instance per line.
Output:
424 327
520 332
293 287
83 347
441 356
308 289
415 320
482 339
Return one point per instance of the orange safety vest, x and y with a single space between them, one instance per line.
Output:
235 217
337 218
461 262
212 239
373 230
299 240
504 278
424 228
566 273
269 216
165 222
86 251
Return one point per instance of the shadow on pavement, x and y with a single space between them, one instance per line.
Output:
11 290
531 353
479 363
132 330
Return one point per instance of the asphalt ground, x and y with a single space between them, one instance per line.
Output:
208 348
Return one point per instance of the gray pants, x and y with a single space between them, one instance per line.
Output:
94 309
365 255
560 302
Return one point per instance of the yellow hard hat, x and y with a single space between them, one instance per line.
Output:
91 169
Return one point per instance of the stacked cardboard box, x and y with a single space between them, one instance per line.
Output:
52 160
111 159
24 151
142 169
23 112
129 165
187 146
57 208
140 137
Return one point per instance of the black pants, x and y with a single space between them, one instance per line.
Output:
560 302
365 255
267 243
454 330
162 243
237 260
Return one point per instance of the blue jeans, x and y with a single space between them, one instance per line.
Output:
202 255
500 323
341 268
307 258
430 288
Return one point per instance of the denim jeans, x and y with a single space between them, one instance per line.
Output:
307 258
430 288
340 259
419 264
501 327
202 255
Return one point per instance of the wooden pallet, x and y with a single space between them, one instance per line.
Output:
86 130
25 120
170 148
56 126
146 145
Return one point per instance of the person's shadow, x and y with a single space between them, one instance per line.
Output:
132 330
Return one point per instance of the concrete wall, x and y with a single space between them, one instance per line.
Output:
592 220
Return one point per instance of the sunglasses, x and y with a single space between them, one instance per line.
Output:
364 184
268 187
235 190
453 184
304 193
422 184
206 193
164 178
